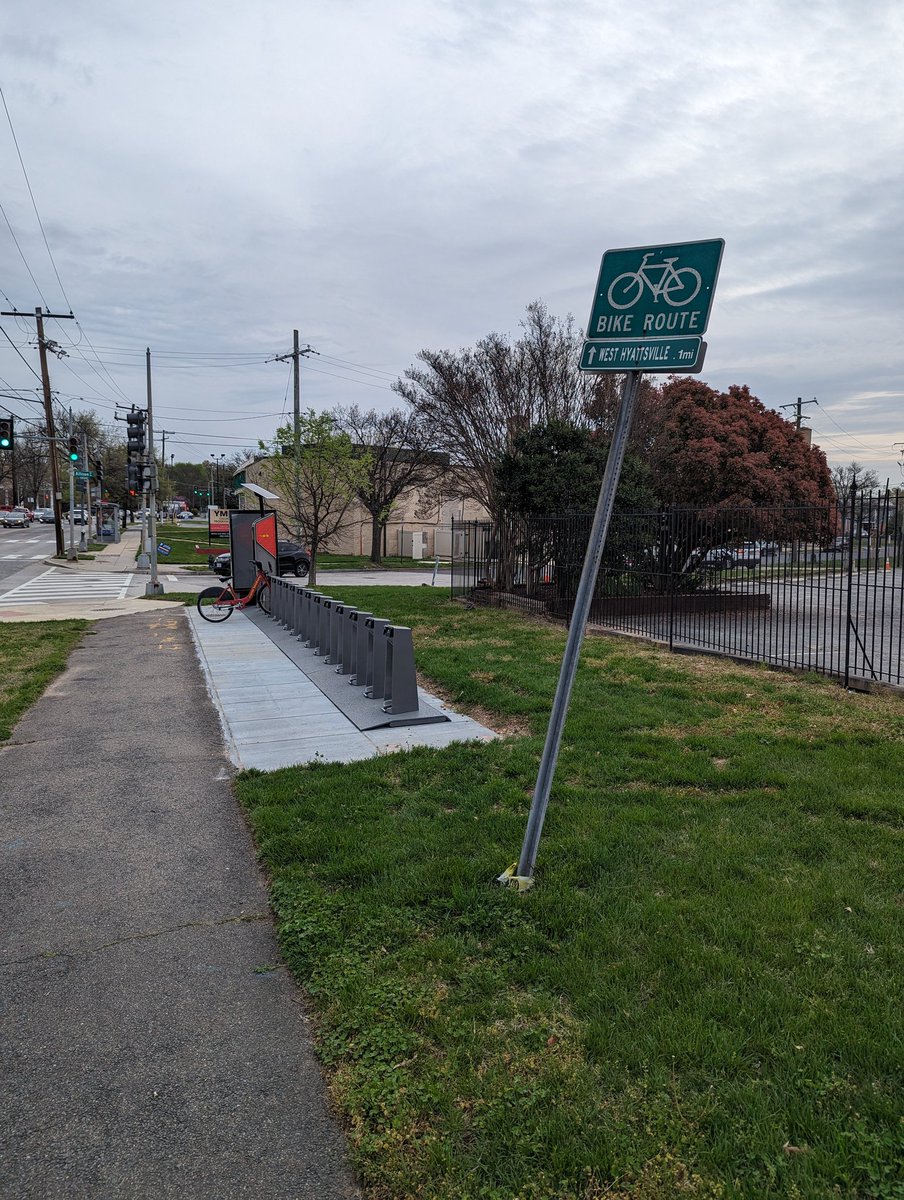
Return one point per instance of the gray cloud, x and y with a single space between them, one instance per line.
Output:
387 177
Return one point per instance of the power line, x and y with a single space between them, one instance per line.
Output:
34 204
20 354
838 427
24 259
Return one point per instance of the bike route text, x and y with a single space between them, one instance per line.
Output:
671 322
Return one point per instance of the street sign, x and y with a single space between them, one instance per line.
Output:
162 548
675 355
84 474
650 291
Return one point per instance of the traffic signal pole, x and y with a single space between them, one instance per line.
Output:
86 467
154 587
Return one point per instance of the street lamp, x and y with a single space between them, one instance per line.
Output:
216 458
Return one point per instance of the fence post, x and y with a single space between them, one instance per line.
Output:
850 586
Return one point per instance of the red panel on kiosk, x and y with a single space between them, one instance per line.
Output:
265 545
265 532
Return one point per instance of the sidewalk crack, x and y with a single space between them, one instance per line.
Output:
135 937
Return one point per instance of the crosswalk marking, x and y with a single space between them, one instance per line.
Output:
55 584
5 556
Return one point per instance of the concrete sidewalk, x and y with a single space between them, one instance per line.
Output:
152 1042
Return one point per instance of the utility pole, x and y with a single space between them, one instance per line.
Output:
163 436
297 354
799 406
48 417
72 553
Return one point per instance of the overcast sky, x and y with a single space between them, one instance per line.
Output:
392 175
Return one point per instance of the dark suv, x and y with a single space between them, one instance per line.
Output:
293 560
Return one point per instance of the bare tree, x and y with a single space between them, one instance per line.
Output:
853 477
478 400
400 457
851 482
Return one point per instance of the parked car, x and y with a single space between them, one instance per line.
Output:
720 558
185 516
748 555
837 546
293 560
16 518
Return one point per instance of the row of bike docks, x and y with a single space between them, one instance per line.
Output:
365 651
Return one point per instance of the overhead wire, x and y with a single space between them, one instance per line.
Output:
33 204
844 431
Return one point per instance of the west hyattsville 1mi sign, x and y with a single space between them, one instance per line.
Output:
651 308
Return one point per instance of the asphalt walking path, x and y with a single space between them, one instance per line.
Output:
152 1042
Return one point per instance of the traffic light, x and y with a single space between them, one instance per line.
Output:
136 444
99 472
133 478
6 433
73 449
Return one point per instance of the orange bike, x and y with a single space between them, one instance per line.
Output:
217 603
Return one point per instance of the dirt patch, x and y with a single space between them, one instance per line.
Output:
505 726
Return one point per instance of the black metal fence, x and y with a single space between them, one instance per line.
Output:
815 588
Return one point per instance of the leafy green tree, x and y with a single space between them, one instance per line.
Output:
316 471
556 469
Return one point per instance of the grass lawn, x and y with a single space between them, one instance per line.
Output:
31 654
182 544
361 562
702 995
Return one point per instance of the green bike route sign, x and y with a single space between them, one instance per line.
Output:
649 291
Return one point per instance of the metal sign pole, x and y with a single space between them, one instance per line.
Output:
521 877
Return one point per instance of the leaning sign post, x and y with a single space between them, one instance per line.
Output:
650 310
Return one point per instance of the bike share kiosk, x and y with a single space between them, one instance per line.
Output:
245 548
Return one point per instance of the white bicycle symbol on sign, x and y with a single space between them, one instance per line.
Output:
675 287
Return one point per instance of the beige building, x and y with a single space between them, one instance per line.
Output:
420 525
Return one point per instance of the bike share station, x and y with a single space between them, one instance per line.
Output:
363 664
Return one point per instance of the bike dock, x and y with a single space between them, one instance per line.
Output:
363 664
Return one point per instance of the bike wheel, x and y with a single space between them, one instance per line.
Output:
625 290
263 598
682 288
216 604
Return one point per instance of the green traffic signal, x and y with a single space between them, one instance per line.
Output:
73 449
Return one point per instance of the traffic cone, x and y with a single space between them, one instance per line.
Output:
887 563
